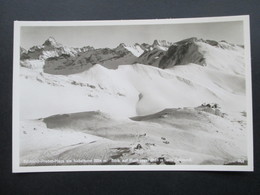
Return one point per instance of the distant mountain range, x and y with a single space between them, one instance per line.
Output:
58 59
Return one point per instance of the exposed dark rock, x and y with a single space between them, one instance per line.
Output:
138 147
181 53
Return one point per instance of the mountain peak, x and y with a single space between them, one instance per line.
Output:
188 40
51 42
22 50
155 42
122 45
161 43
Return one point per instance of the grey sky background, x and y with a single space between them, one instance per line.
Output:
112 36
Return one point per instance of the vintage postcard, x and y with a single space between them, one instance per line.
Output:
164 94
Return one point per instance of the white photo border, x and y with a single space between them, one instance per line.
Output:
16 168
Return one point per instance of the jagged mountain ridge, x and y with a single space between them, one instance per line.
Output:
50 48
54 58
161 44
220 55
189 51
109 58
63 60
55 49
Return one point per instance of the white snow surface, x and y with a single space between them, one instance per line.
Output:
182 136
129 90
33 64
225 60
135 50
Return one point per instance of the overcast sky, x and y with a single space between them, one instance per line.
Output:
112 36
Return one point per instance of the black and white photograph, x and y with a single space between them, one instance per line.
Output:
162 94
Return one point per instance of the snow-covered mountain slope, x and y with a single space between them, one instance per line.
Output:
137 86
223 57
129 90
178 136
57 94
135 49
226 85
33 64
218 55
